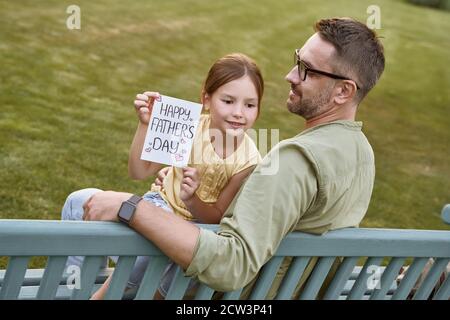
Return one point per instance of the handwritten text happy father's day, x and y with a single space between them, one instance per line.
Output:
171 131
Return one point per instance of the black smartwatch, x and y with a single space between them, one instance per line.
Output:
127 209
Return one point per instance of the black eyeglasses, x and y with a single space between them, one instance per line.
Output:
303 70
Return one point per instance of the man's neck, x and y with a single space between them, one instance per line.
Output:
334 114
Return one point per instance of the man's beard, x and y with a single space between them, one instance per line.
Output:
310 107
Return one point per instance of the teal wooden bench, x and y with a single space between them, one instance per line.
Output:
359 250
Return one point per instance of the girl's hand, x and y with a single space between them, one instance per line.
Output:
144 105
161 175
189 183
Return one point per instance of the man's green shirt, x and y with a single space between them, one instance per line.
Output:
323 180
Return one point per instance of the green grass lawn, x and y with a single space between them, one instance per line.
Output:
67 118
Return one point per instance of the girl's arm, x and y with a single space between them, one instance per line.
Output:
140 169
212 213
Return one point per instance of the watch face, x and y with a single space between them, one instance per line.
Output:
126 211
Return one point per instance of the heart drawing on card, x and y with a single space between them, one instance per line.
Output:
183 141
178 157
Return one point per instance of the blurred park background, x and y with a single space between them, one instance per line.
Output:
67 117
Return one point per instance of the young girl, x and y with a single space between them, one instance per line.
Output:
223 155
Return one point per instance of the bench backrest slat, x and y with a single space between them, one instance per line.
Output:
360 286
265 279
88 273
17 266
52 277
340 279
178 286
120 277
232 295
444 291
317 277
150 281
388 277
293 275
204 293
410 278
432 277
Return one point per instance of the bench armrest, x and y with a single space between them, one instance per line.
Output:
445 215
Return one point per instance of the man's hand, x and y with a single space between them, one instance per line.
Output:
104 206
189 183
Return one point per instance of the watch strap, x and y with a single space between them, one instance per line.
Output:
134 199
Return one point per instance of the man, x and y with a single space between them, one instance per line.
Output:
325 176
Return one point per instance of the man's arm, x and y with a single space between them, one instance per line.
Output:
176 237
268 207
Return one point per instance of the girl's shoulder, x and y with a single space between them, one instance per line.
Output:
249 147
247 155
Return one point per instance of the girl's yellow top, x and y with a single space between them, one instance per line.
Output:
215 172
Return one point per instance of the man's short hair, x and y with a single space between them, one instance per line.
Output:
359 53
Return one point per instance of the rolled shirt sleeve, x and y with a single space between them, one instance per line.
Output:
266 209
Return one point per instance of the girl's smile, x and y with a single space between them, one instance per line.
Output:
236 125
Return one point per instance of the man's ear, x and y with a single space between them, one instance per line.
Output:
346 90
